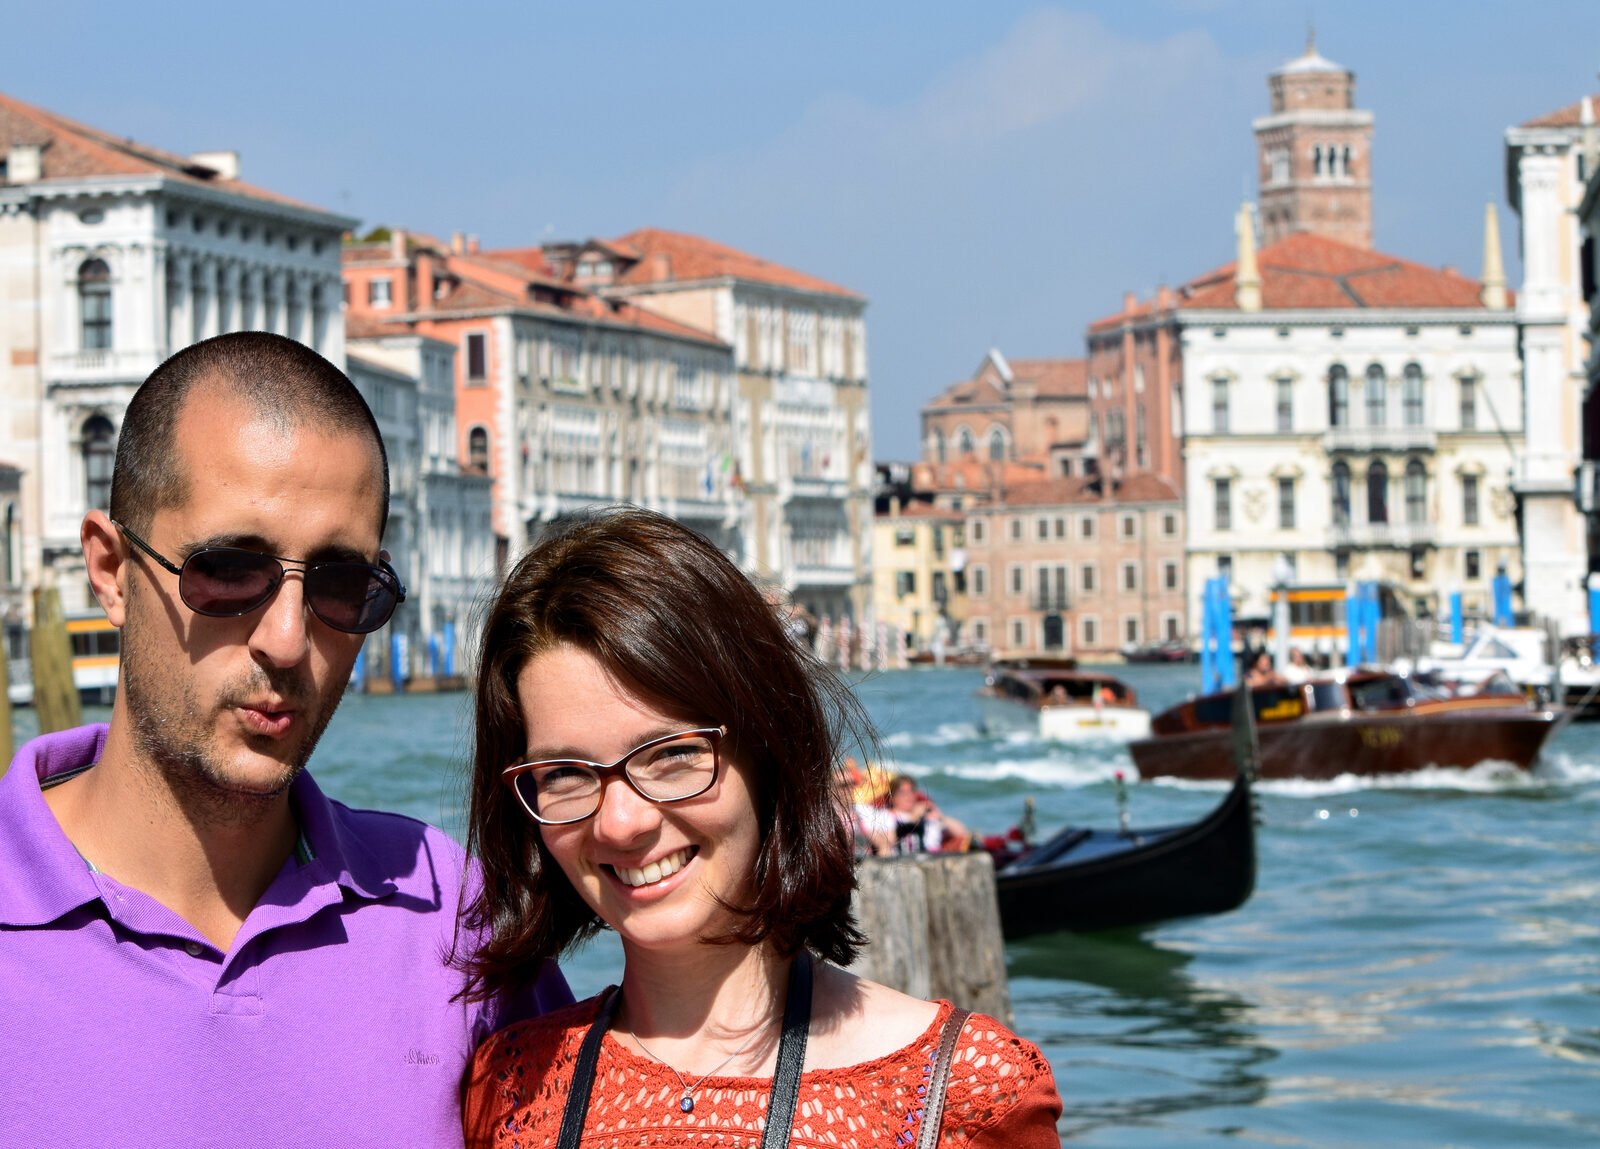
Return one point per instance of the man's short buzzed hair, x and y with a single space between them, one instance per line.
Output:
283 381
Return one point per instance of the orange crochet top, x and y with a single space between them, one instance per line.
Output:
1001 1094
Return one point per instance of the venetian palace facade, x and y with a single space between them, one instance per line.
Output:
1343 413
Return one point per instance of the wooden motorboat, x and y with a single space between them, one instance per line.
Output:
1088 879
1169 651
1360 722
1053 698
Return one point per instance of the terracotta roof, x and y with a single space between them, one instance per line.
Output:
1141 310
917 509
974 474
672 256
470 296
1312 271
967 393
1054 377
1140 488
363 325
1570 116
75 151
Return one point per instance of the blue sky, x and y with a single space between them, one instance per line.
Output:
988 174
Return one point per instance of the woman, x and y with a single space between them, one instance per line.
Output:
919 825
655 754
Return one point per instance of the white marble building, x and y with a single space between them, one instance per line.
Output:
112 256
1548 160
1354 413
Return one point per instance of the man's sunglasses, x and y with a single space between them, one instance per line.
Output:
226 582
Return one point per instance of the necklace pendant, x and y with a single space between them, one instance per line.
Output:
686 1103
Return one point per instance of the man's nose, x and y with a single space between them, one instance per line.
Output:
280 637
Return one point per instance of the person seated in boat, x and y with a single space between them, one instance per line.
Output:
871 826
1262 671
1057 696
654 754
919 826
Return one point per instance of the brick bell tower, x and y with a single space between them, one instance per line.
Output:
1315 153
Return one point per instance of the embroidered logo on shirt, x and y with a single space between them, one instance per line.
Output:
417 1057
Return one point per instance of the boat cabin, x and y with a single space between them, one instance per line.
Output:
1357 692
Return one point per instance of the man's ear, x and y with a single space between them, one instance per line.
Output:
106 557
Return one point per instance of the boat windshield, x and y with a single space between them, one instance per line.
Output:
1327 696
1388 692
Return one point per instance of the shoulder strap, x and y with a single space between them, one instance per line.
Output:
791 1055
583 1073
938 1076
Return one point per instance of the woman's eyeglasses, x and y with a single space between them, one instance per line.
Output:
226 582
560 791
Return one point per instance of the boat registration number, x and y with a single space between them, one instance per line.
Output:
1380 737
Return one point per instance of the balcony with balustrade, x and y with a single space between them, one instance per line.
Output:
1399 536
1386 438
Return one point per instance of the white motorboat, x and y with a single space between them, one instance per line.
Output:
1054 699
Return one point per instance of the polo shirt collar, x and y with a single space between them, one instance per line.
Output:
53 879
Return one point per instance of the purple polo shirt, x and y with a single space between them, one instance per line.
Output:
330 1022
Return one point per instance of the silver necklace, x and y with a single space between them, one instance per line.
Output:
686 1102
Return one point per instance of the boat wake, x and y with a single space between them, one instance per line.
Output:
1064 773
1489 777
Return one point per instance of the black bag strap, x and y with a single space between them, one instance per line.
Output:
939 1077
791 1055
583 1073
781 1102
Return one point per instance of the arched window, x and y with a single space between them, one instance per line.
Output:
99 453
965 444
1416 492
1344 163
997 444
1341 494
1411 395
938 445
94 305
478 450
1377 493
1316 161
1338 396
1377 396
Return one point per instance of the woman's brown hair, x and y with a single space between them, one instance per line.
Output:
675 622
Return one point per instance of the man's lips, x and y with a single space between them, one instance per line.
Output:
269 719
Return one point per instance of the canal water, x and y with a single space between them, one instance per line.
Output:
1420 964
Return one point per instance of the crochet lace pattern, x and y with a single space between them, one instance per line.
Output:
1001 1093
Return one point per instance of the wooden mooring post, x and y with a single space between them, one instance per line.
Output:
55 695
932 923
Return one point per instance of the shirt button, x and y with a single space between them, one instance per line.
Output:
193 948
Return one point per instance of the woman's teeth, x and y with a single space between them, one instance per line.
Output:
655 871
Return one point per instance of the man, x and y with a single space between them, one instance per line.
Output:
196 946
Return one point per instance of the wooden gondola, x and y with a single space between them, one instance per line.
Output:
1088 879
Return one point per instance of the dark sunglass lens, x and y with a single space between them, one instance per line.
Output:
352 597
225 581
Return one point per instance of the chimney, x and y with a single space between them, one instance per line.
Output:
225 164
1493 295
25 163
1130 303
1246 277
472 245
424 279
660 266
458 243
397 243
